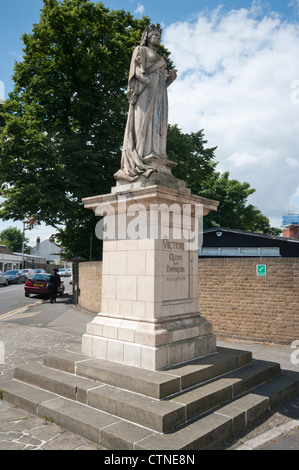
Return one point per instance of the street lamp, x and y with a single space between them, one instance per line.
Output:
30 223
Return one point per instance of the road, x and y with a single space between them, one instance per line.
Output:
14 306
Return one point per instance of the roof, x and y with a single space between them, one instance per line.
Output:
26 255
253 234
5 251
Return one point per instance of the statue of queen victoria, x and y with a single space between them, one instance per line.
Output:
146 129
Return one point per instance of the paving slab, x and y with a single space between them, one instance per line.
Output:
21 430
26 344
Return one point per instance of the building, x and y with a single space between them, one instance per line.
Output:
224 242
290 222
8 259
31 261
47 250
248 285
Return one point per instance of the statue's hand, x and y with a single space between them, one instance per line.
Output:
142 77
172 75
133 99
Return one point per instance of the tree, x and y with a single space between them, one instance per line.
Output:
63 124
197 167
13 238
195 162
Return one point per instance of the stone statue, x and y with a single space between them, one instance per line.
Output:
146 129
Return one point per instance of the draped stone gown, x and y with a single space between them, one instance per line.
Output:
146 129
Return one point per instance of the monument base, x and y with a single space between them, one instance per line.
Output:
153 346
161 176
149 316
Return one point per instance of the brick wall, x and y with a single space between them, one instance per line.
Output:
242 305
291 232
231 296
90 286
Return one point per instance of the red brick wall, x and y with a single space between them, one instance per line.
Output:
231 296
291 232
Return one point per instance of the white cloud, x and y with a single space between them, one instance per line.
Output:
295 5
235 76
43 231
292 162
2 90
140 9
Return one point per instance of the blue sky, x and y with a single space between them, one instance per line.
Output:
17 17
238 79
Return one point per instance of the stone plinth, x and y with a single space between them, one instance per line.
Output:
149 316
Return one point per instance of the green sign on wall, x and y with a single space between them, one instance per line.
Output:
261 270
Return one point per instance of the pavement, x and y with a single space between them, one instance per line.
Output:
24 343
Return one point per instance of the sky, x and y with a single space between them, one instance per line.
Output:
238 80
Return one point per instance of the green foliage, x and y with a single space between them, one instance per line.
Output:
63 124
61 130
194 162
197 167
12 238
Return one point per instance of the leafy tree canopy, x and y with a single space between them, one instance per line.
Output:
197 166
61 130
13 238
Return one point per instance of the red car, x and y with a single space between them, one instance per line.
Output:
38 284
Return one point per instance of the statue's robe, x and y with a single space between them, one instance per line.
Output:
146 129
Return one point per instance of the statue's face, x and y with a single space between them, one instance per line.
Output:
155 38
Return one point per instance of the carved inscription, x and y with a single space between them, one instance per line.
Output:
177 264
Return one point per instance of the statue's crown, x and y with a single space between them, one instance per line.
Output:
149 30
154 27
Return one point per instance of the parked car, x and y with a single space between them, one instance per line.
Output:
3 279
63 273
40 271
27 272
38 285
15 276
71 279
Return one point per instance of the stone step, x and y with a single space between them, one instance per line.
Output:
155 384
71 415
114 433
61 383
201 399
163 416
158 415
25 396
218 427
